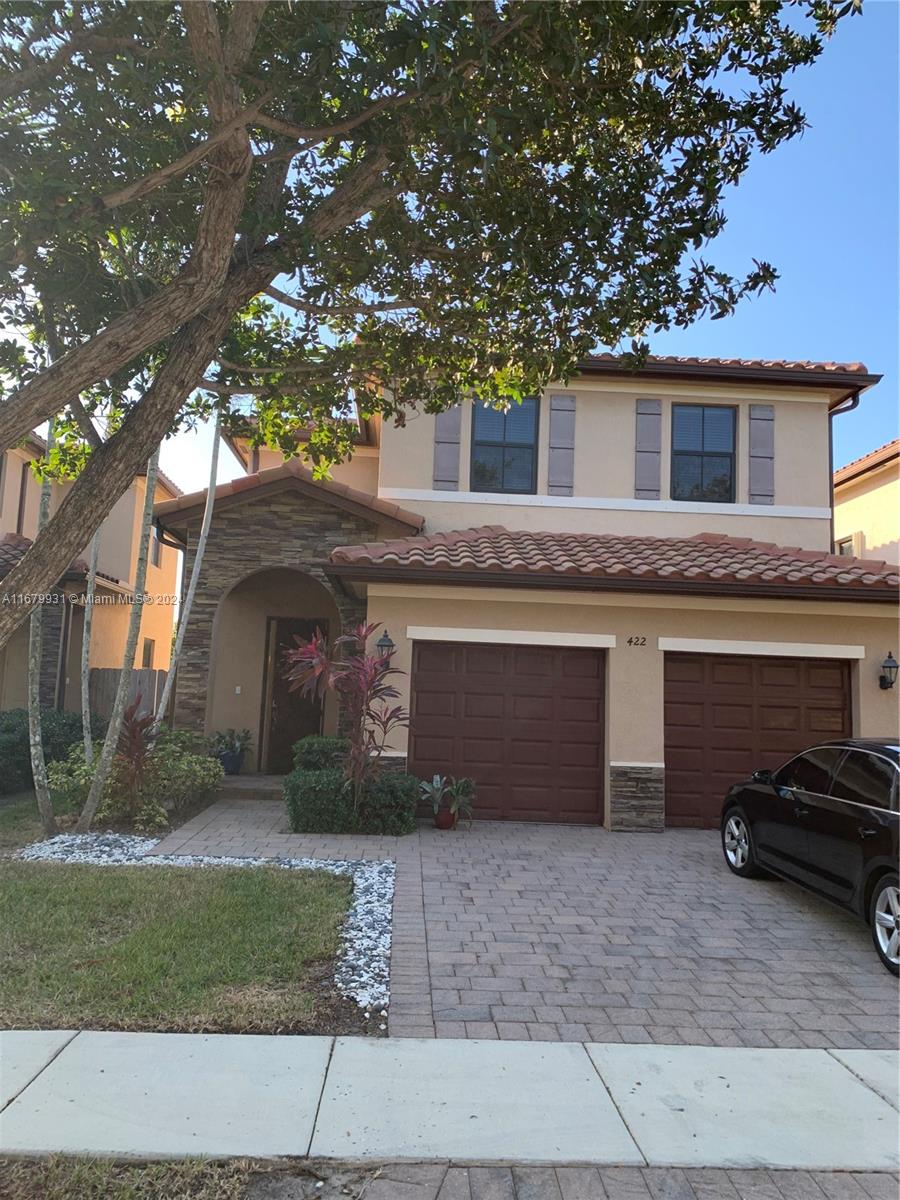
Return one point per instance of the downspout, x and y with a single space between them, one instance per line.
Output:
836 412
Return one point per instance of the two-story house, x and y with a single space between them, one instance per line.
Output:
867 505
609 602
64 614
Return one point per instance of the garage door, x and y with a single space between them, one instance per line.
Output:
525 722
726 716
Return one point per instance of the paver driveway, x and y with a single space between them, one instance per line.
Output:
559 932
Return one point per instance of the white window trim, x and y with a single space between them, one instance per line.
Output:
511 637
769 649
613 503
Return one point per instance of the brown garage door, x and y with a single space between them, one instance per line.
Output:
525 722
726 716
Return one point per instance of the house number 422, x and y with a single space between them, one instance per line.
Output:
637 641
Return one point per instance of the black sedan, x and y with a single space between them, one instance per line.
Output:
828 820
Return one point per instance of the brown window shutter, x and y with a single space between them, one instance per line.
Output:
445 476
561 465
647 449
762 454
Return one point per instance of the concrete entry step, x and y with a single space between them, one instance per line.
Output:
252 787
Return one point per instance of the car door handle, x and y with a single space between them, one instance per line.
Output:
864 832
801 812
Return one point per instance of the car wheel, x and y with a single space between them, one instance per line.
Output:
737 844
884 917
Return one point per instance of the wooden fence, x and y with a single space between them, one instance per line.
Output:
103 682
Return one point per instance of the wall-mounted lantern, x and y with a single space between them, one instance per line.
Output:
888 676
385 646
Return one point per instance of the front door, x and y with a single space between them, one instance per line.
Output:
287 716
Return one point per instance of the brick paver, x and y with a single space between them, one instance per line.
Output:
436 1181
554 932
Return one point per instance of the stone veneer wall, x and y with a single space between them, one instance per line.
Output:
51 645
279 529
637 798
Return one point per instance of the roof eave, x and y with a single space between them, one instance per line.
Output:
848 382
367 573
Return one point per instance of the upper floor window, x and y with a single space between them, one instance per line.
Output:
504 448
703 452
155 546
845 547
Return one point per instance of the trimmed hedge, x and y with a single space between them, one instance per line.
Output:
59 731
318 753
321 802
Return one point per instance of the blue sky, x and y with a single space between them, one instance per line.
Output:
823 209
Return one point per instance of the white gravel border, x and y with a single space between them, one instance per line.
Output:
362 972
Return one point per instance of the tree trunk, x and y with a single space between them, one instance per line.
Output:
90 591
111 469
185 613
35 657
111 742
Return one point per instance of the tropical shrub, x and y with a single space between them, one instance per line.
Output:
59 729
317 753
361 682
171 779
322 802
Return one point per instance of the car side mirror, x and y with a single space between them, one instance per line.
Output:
762 776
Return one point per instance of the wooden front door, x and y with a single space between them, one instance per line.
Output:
287 716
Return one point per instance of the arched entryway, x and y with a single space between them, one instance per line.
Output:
255 622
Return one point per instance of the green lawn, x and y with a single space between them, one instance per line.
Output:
165 948
19 822
93 1179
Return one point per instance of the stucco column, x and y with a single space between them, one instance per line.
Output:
635 735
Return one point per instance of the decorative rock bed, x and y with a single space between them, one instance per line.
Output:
363 965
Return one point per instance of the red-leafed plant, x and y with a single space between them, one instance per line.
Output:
362 683
134 750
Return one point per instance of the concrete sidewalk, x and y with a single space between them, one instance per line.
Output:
148 1095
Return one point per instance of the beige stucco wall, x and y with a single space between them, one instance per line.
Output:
604 469
868 509
360 472
634 711
239 647
14 670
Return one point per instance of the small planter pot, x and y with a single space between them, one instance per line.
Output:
445 819
232 761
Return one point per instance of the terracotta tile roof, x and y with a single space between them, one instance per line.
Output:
292 474
868 462
753 364
12 551
843 380
705 562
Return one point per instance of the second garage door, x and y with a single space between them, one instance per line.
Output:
728 715
525 722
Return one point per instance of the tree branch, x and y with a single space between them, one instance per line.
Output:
321 133
338 309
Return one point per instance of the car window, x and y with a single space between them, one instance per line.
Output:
809 772
865 778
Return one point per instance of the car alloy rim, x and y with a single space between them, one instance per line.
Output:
737 842
887 922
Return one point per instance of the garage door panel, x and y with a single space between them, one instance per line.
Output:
527 727
709 741
733 716
731 673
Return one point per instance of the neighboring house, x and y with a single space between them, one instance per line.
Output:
867 505
64 618
610 602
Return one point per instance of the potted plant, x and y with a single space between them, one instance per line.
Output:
229 746
462 799
449 798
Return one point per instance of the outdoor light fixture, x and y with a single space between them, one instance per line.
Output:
385 647
888 675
